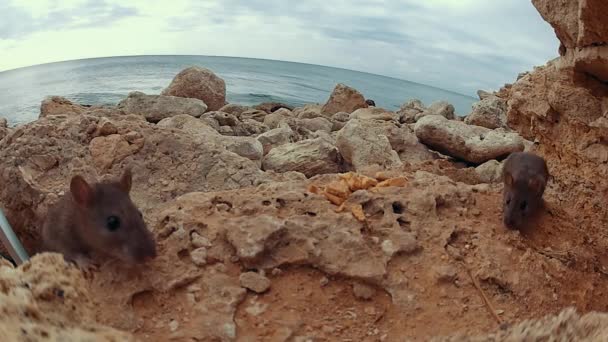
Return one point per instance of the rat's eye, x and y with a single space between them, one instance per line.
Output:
508 201
141 215
113 223
523 205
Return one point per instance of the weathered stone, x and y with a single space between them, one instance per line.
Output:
199 83
233 109
316 124
157 107
491 112
276 137
57 105
490 171
471 143
374 113
363 291
310 157
362 147
254 282
442 108
343 99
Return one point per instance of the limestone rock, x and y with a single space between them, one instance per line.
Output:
3 123
581 30
491 112
254 282
314 108
274 120
57 105
271 107
343 99
233 109
374 113
341 117
199 83
250 127
248 147
482 94
310 157
189 124
221 118
362 147
47 299
471 143
316 124
363 291
410 110
276 137
441 108
490 171
157 107
253 114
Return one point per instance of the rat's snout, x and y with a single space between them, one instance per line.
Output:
143 250
510 222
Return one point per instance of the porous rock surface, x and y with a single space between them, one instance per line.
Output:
199 83
408 254
157 107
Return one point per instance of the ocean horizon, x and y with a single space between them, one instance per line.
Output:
249 81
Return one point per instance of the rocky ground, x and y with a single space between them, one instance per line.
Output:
334 221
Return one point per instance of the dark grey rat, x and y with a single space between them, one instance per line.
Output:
525 177
92 220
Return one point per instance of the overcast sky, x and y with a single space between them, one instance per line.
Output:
460 45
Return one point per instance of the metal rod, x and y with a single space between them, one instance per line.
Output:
11 242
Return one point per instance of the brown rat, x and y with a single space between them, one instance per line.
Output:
525 177
98 219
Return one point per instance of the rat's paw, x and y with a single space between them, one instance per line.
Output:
86 265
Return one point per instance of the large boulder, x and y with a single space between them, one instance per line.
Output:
157 107
580 26
473 144
199 83
168 160
343 99
247 147
310 157
491 112
46 299
363 147
57 105
442 108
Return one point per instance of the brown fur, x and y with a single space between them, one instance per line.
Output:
78 226
525 177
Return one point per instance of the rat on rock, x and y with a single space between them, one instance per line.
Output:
525 177
98 220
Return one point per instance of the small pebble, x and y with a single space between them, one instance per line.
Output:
254 282
173 325
276 272
324 281
363 291
199 241
199 256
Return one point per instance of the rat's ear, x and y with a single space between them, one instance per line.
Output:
508 179
81 191
536 184
126 180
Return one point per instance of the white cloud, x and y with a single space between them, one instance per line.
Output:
460 45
